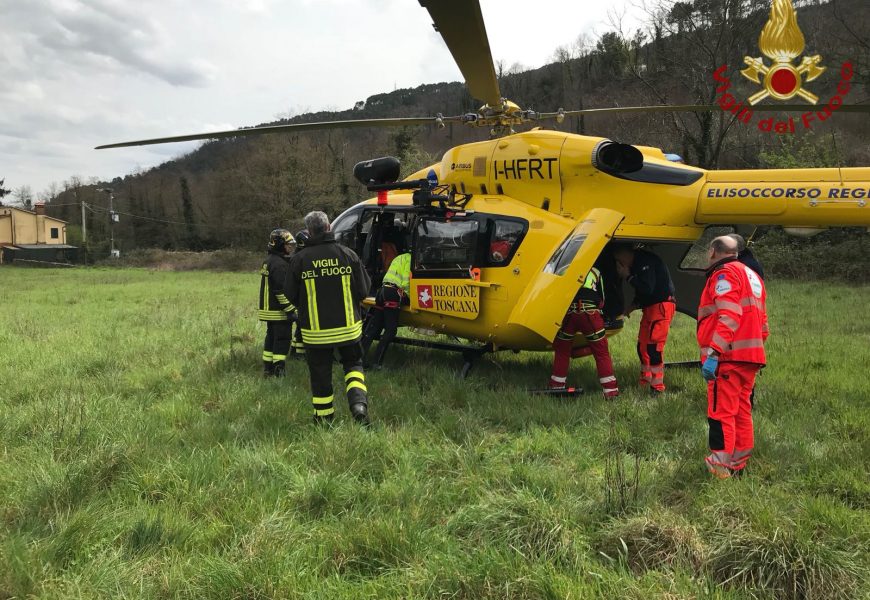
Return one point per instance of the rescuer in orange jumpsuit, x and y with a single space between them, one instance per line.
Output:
654 295
585 317
732 328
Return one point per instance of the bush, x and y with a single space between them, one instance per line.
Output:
841 254
165 260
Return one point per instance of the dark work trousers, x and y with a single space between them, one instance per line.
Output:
320 371
296 344
276 345
384 318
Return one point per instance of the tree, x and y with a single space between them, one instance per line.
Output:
3 191
192 240
24 196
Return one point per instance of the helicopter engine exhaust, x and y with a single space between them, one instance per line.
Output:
615 158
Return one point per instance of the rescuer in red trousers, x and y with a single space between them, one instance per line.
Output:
585 316
732 328
654 295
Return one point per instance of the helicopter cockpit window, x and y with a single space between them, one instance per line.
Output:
344 229
564 255
696 258
504 239
445 245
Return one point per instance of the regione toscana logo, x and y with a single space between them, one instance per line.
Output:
782 41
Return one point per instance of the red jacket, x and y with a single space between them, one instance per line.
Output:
732 318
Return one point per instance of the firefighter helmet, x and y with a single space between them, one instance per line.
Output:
278 238
302 238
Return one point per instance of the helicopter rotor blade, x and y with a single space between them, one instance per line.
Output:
694 108
292 127
460 23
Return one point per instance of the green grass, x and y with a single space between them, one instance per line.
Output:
143 456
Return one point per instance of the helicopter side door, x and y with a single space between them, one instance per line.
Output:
549 294
444 257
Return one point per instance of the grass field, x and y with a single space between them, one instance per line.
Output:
144 457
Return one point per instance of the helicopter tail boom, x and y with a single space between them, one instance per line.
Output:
791 197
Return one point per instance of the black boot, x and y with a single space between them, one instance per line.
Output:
360 413
324 421
279 368
268 368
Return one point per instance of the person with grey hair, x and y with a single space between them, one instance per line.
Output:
732 329
745 255
327 285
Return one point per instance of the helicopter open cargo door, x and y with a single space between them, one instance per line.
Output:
548 296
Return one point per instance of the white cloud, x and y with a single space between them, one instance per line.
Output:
79 73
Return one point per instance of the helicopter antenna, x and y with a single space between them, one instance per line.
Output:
837 154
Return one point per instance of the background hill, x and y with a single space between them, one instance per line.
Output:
227 193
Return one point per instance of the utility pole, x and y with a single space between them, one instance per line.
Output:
84 228
84 222
113 218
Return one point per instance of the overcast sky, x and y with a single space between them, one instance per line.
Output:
78 73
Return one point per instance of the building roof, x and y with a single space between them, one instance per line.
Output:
30 212
38 246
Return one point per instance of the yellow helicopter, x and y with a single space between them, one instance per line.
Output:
503 231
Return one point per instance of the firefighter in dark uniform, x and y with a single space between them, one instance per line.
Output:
327 284
274 306
297 347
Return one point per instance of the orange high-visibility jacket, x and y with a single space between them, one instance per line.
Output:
732 318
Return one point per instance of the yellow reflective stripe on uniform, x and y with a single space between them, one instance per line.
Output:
591 278
399 273
311 291
282 298
323 405
289 308
335 332
278 357
358 374
267 356
265 303
329 336
348 300
271 315
356 384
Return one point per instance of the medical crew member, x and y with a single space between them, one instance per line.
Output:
388 305
585 316
654 295
732 328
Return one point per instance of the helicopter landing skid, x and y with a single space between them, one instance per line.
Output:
469 353
568 392
694 364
